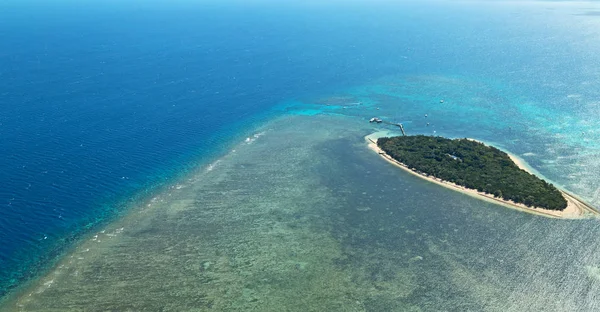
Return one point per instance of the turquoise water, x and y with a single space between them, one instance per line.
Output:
300 208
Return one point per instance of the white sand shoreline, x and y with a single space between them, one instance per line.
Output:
576 208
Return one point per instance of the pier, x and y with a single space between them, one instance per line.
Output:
379 120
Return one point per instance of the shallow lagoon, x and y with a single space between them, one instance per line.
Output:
303 217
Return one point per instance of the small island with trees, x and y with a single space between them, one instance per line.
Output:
485 171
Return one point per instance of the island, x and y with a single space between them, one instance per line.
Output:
480 170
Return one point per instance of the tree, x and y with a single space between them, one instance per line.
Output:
498 193
480 167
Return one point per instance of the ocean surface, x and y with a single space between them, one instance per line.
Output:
210 155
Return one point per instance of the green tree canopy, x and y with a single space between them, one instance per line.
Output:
475 166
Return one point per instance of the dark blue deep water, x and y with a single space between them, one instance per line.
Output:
104 102
100 102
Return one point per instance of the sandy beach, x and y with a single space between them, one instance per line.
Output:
576 208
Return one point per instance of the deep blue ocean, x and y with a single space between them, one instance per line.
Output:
104 102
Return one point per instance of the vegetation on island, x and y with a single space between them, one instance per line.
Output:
475 166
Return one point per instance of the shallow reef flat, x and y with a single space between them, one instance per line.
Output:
246 233
302 216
